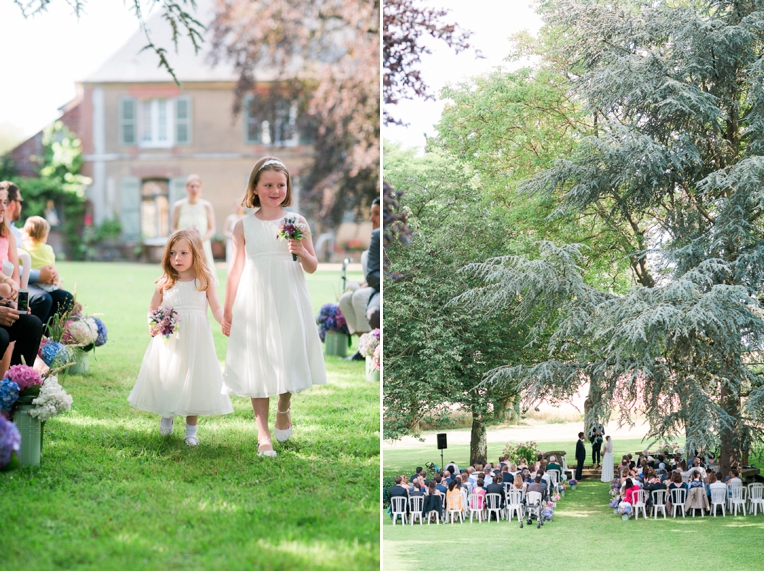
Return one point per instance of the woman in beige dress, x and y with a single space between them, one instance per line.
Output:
196 213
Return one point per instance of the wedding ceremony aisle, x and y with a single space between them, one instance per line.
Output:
111 493
584 532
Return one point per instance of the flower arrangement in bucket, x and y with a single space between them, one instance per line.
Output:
625 509
333 329
614 504
78 333
376 360
573 482
30 400
368 346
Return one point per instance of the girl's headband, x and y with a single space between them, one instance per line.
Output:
272 162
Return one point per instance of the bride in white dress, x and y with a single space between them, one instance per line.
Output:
607 460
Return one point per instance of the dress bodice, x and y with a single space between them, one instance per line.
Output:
193 215
184 296
4 245
261 238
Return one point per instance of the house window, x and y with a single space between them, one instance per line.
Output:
156 121
155 208
271 122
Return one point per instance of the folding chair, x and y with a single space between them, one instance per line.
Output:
398 508
493 504
755 500
415 508
477 506
678 497
515 504
640 504
659 502
454 508
718 498
737 498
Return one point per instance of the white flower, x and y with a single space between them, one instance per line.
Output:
83 331
52 400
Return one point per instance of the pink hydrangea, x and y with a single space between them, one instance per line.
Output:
23 376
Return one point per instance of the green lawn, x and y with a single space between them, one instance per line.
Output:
585 534
111 493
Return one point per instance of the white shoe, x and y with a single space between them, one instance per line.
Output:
286 433
191 440
267 453
165 430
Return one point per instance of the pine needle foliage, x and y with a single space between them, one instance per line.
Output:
677 93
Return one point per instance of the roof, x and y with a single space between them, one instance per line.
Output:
133 64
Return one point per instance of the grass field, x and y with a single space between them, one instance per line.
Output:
111 493
584 534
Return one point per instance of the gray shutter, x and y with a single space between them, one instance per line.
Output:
177 191
130 208
183 120
252 126
128 121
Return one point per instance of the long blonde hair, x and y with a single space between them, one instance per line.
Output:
199 266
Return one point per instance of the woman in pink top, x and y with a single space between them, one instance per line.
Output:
9 286
629 492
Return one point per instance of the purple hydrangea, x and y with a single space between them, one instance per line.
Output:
102 332
10 441
24 376
9 393
330 318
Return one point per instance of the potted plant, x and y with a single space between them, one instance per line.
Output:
333 330
30 400
367 346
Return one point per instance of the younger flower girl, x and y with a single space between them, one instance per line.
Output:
180 375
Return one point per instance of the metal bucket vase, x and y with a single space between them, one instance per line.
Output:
372 373
31 435
336 344
80 366
625 517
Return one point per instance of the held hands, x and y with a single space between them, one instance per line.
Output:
226 323
49 275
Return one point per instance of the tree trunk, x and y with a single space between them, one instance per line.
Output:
503 410
478 440
730 437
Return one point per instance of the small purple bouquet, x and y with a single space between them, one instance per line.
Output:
163 321
291 229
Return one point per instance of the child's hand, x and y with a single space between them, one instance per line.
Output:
297 248
226 324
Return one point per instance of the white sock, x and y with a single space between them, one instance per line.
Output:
191 430
166 423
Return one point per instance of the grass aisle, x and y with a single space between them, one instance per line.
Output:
111 493
584 534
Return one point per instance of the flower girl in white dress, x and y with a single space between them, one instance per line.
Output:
274 348
180 375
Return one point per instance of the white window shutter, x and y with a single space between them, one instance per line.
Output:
183 120
130 208
128 121
177 190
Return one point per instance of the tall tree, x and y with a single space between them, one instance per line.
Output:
676 89
436 352
327 54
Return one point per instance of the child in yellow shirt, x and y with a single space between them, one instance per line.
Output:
36 229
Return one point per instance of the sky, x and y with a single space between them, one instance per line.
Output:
491 23
42 57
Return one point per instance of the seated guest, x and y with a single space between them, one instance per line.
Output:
478 492
454 497
734 478
676 481
433 501
537 486
496 488
539 459
416 473
629 492
417 491
506 477
714 483
398 490
553 465
440 485
487 476
466 483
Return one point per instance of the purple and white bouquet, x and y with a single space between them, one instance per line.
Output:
52 400
330 319
80 331
368 343
21 385
163 321
624 508
291 229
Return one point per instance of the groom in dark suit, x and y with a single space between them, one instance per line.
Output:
580 455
